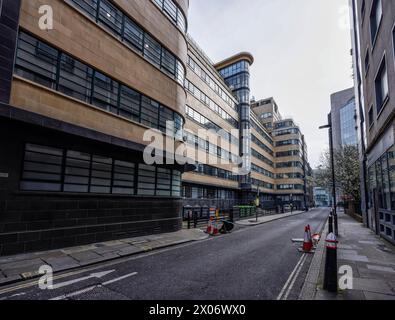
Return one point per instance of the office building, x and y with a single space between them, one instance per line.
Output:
374 67
343 116
74 109
76 103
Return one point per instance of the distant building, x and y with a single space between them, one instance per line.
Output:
343 115
322 197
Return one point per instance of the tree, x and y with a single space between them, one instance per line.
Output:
347 168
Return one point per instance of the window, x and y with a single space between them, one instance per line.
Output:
42 168
152 50
176 184
202 97
348 124
133 35
168 62
124 173
110 17
381 84
386 182
375 19
150 113
391 167
87 6
101 175
166 115
36 61
371 117
393 41
59 170
147 180
171 9
163 187
41 63
208 124
77 172
173 12
75 78
129 104
128 31
105 93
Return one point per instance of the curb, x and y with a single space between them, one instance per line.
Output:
309 288
32 276
277 218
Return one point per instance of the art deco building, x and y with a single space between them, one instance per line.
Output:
210 106
290 159
374 67
75 102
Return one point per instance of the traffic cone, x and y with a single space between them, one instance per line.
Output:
215 230
307 242
309 233
210 226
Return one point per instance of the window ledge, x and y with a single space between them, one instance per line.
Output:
377 34
102 196
383 105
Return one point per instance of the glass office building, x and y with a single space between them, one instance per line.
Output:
348 124
236 74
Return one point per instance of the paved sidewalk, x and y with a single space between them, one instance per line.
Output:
371 259
26 266
252 220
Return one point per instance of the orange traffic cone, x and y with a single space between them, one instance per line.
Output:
309 233
210 226
215 230
307 242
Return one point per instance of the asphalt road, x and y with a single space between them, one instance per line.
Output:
252 263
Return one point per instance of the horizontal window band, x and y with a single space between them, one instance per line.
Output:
116 97
132 35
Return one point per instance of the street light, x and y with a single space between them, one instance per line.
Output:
329 126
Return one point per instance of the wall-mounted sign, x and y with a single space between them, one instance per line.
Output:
3 175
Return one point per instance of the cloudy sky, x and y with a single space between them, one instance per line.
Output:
301 50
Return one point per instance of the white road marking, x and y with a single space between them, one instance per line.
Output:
70 295
93 275
120 278
33 283
295 277
290 277
380 268
79 292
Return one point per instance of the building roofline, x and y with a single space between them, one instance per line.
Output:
235 58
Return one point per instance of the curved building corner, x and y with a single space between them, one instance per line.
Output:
76 103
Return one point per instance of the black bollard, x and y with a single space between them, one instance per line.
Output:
330 277
330 224
189 219
195 220
336 224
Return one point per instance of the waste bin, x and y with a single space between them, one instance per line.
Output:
227 226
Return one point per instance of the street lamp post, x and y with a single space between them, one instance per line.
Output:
329 126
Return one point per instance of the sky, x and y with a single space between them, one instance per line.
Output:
301 49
